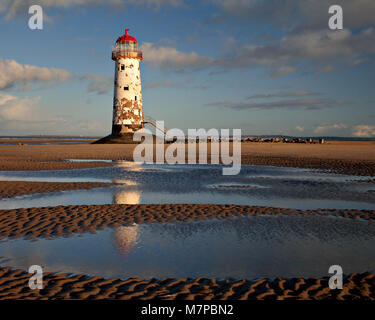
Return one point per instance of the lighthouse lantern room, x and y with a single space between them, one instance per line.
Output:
127 100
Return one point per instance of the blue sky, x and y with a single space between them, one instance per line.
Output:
267 67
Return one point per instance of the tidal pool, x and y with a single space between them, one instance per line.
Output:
242 247
162 183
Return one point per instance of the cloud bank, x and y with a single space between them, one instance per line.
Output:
320 51
363 130
98 83
22 76
305 104
168 57
13 8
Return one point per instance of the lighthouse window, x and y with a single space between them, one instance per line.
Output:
126 88
135 98
122 67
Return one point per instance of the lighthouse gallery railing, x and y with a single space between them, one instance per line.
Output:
116 54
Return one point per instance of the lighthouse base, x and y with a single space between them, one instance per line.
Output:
121 139
116 139
121 134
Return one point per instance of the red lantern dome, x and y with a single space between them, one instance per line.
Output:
126 37
126 47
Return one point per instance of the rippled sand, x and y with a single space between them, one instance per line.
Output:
14 285
69 220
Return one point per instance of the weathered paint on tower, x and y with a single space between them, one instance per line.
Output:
127 100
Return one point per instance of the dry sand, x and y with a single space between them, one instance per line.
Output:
356 158
14 284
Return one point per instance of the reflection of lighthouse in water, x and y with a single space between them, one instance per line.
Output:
127 197
126 238
129 194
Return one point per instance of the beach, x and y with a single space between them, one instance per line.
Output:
347 157
65 221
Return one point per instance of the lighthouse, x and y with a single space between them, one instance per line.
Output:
127 97
127 100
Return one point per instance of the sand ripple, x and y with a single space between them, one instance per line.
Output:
69 220
14 285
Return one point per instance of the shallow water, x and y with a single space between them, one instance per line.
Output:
243 247
162 183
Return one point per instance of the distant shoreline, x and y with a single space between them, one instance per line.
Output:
63 137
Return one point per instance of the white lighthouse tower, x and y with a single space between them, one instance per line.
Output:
127 100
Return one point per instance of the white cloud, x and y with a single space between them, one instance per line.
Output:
26 116
160 56
283 71
297 93
14 108
158 3
13 8
14 74
159 84
329 127
98 83
307 103
300 129
363 130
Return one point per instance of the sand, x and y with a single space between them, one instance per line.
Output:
49 222
44 140
355 158
14 285
10 189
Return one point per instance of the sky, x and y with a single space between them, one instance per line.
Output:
270 67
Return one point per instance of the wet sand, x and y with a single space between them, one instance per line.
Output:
49 222
354 158
10 189
14 284
44 140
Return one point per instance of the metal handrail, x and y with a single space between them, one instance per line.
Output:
152 121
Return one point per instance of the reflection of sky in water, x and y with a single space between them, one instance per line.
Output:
162 183
244 247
